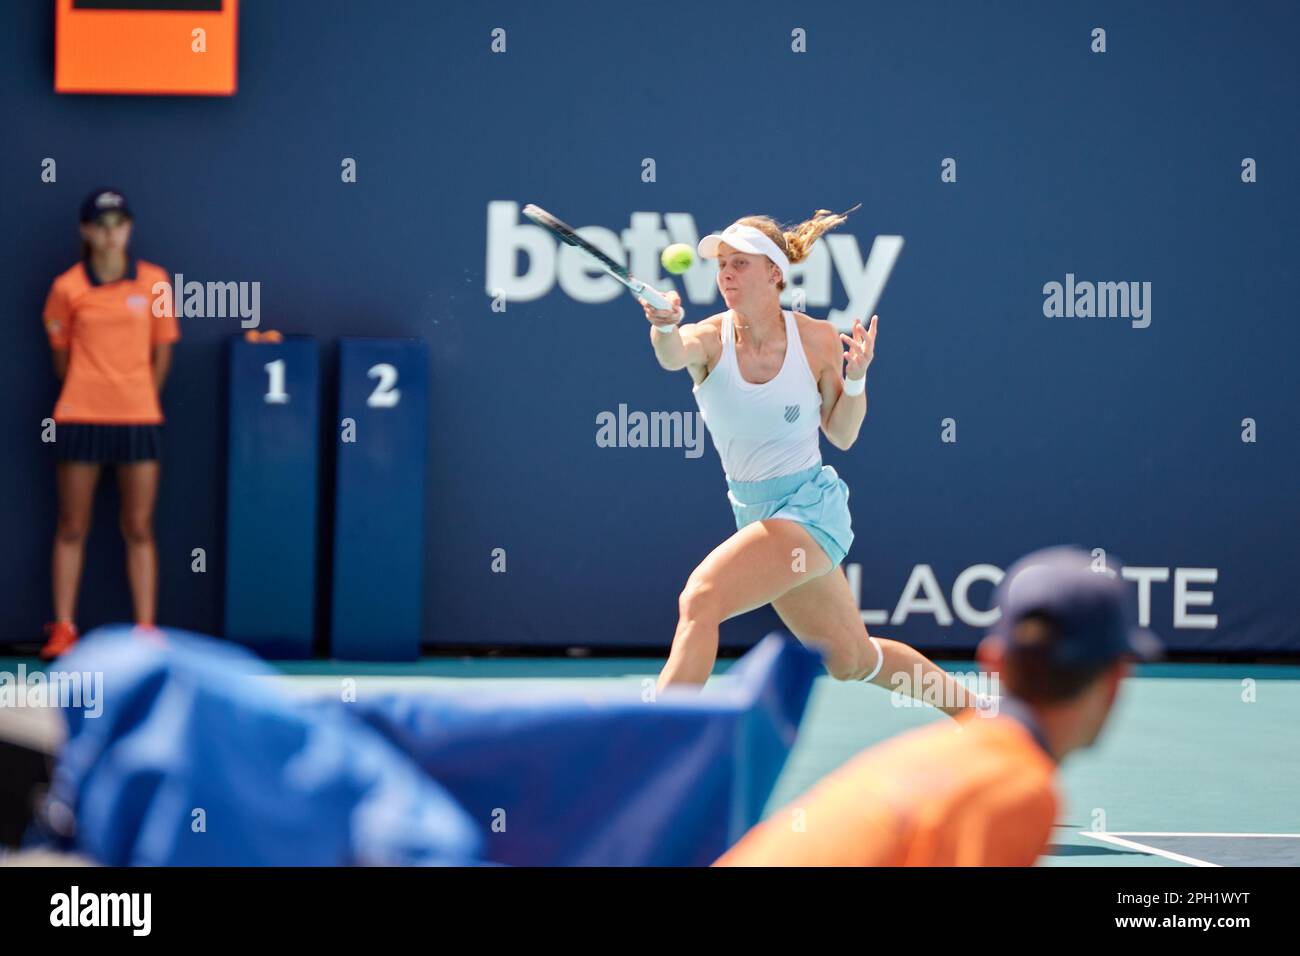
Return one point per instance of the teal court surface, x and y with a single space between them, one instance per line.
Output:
1199 764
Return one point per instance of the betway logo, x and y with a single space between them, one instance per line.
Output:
638 248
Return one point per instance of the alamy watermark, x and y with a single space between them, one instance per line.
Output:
130 910
83 690
1099 300
946 689
636 429
209 300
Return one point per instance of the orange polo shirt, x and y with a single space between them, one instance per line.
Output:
110 330
984 796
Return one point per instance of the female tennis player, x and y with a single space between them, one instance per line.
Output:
112 352
765 380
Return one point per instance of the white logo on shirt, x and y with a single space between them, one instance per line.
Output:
136 302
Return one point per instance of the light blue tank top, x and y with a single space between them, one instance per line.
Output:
768 430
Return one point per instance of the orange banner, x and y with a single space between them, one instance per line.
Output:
178 47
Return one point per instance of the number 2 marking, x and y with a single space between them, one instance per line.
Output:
384 395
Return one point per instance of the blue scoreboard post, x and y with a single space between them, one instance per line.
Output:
381 440
274 438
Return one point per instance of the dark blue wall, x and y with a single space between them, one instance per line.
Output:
1116 166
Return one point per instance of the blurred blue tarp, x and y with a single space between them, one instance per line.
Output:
199 756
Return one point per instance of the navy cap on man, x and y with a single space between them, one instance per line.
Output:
102 201
1087 601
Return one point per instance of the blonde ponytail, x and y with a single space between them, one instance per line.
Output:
797 242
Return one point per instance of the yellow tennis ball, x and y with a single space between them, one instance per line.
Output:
677 258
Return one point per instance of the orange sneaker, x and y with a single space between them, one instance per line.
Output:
62 635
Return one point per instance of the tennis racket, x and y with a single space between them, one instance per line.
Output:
566 234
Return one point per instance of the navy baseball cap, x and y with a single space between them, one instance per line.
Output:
1089 604
101 201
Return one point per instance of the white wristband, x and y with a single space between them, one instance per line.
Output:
666 329
855 386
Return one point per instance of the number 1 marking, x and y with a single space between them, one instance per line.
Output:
275 394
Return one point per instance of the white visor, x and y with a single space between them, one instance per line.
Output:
745 239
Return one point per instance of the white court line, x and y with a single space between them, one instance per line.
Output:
1275 836
1132 845
1115 838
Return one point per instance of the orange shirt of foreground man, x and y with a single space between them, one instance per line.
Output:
981 792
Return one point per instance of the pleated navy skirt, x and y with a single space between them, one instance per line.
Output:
107 444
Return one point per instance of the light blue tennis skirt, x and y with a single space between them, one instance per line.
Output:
816 498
